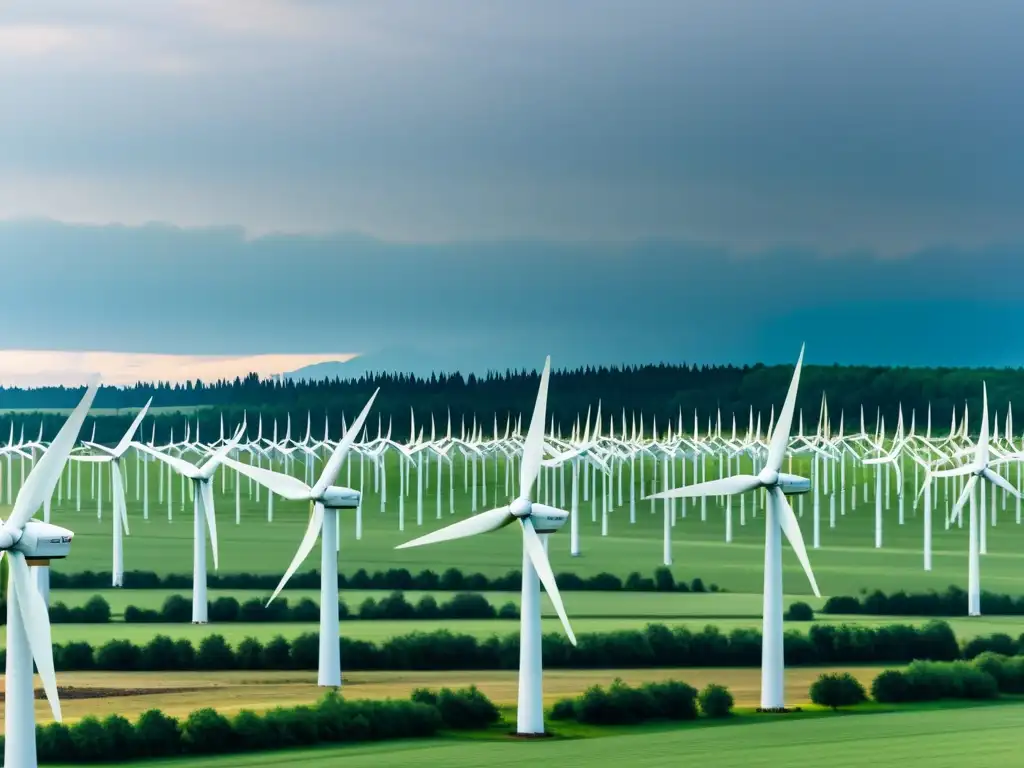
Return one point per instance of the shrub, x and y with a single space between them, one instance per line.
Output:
622 704
671 700
799 611
932 681
176 609
890 687
837 690
1008 672
90 741
466 708
207 731
715 701
563 709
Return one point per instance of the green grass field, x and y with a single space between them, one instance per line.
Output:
846 562
980 737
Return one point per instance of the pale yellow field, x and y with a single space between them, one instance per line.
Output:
179 693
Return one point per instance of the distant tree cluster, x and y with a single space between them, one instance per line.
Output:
659 392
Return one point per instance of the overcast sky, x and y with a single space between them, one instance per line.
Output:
784 130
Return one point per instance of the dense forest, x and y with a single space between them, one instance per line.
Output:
656 391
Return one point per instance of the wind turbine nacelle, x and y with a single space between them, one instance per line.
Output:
43 542
548 520
337 497
792 485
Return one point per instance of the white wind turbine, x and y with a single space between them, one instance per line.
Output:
980 468
31 542
113 456
536 521
779 519
327 499
202 507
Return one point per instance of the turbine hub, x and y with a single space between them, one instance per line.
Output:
768 477
520 508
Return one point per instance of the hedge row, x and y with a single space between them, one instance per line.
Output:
464 605
654 646
952 602
452 580
986 677
206 731
621 704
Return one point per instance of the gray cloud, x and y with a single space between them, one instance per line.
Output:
892 126
477 304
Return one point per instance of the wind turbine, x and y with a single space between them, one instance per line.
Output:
978 469
31 542
327 499
202 506
120 512
536 521
779 519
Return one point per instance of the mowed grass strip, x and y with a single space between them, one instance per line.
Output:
932 738
232 691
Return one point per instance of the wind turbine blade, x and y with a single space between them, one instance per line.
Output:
285 486
533 447
780 435
45 475
964 496
996 479
485 522
330 473
210 466
180 466
36 622
539 557
790 527
955 472
981 451
206 491
727 486
130 434
316 522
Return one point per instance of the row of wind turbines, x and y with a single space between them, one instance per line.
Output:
605 456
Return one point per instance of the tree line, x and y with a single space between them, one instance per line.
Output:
658 392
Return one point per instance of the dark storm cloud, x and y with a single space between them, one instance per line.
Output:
481 304
888 125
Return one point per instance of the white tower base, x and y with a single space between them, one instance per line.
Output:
20 716
329 673
772 658
530 712
199 607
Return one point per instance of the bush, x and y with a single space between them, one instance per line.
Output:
837 690
466 709
799 611
890 687
715 701
207 731
933 681
1008 672
622 704
158 735
563 709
